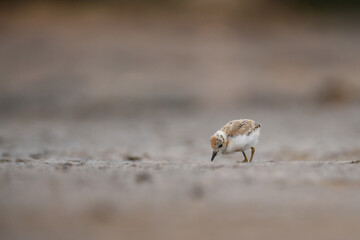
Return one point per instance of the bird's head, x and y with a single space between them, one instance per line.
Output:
218 143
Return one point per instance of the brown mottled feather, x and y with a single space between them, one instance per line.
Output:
213 141
240 127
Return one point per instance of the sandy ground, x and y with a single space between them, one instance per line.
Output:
104 131
114 179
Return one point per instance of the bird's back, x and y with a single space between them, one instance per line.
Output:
240 127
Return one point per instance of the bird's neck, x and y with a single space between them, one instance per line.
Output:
222 133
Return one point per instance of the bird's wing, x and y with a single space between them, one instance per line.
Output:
239 127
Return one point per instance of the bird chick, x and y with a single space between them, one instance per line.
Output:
236 136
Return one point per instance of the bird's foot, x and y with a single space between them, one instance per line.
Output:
245 161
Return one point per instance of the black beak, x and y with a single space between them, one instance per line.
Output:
213 155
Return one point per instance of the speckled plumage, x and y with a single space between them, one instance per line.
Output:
236 136
240 127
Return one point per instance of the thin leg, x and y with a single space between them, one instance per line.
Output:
245 157
252 153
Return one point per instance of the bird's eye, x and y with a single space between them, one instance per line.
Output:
220 146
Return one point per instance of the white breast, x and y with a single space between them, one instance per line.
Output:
242 142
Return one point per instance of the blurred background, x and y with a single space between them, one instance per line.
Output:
106 108
84 58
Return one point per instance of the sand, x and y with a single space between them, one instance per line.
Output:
137 178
